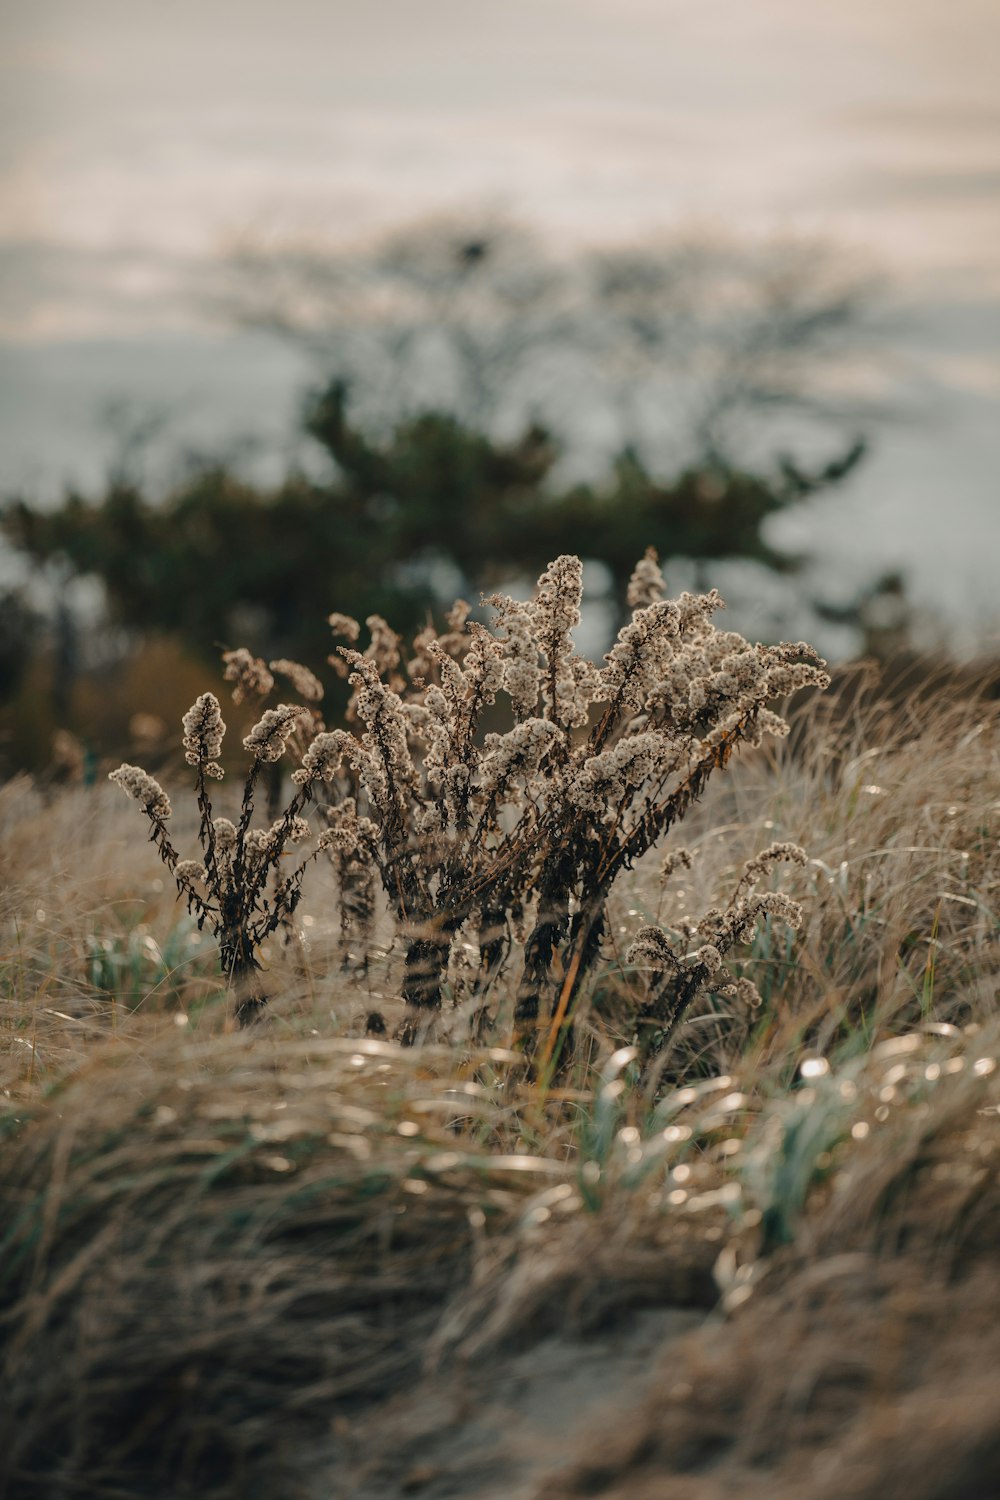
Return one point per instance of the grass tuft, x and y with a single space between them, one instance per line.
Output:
235 1261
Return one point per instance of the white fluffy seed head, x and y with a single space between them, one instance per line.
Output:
324 756
268 739
248 673
305 683
145 789
203 732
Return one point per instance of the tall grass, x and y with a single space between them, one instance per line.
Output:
219 1244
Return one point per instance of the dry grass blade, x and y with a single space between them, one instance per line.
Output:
229 1262
211 1250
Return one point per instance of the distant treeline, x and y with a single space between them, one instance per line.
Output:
460 363
399 525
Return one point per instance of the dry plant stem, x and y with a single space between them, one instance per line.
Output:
669 998
588 924
236 944
235 949
539 952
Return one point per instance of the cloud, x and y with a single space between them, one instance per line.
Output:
907 186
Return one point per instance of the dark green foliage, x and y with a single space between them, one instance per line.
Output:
18 624
705 512
400 522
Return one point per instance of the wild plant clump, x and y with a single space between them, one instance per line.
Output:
237 887
499 786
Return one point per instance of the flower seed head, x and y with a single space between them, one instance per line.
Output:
137 783
268 739
203 732
305 683
249 673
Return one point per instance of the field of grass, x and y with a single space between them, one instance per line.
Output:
298 1260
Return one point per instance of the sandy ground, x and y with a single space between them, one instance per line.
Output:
497 1432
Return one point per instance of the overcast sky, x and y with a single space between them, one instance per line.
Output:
140 138
138 131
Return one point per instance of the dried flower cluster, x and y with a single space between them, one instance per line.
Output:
679 972
250 676
305 683
203 734
518 836
235 887
268 739
146 790
512 837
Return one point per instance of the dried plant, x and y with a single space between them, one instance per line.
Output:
679 972
511 837
237 886
230 1255
515 838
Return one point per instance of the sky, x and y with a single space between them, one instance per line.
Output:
141 139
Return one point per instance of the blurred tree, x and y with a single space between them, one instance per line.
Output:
479 367
219 560
714 511
401 525
19 627
443 314
683 349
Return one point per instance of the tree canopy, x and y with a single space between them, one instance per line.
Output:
398 525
